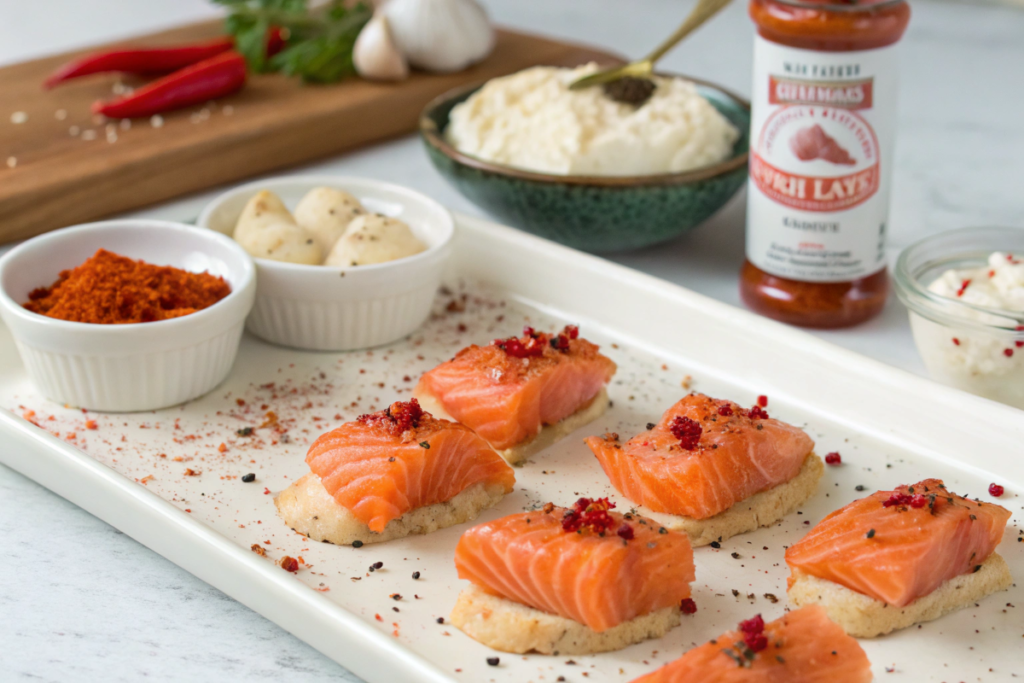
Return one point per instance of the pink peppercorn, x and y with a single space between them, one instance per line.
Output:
995 490
834 459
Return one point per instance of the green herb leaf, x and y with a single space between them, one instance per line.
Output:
320 43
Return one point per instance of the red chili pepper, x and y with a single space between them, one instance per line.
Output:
144 61
209 79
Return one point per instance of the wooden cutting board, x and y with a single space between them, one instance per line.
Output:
62 166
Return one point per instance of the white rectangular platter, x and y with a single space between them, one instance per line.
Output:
133 471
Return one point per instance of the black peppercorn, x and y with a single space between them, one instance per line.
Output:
249 478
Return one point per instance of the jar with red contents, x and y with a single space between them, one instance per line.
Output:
823 123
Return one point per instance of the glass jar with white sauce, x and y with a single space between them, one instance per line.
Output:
965 293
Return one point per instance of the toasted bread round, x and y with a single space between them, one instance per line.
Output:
761 509
548 435
512 627
865 617
306 507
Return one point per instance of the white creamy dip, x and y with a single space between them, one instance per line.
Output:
983 363
531 120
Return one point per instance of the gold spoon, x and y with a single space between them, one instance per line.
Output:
704 10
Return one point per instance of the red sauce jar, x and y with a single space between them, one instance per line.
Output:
823 122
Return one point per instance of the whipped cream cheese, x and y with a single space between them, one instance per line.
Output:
987 364
531 120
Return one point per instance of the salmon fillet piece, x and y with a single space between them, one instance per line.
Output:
802 646
385 464
507 391
702 457
599 578
896 546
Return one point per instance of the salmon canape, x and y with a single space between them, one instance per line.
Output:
898 558
521 394
571 581
393 473
803 646
712 469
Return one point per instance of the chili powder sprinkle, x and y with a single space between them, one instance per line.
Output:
109 289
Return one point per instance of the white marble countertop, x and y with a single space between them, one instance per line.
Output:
81 601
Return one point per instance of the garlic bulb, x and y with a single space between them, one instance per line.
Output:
440 35
375 54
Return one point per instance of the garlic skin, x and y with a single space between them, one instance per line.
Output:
375 54
440 35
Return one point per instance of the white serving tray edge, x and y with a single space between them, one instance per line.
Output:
656 315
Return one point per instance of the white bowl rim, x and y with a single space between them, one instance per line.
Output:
7 301
338 182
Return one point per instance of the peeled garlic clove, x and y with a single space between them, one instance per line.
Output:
440 35
375 54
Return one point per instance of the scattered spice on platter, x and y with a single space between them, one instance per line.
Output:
109 289
311 393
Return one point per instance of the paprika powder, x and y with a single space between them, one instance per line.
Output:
109 289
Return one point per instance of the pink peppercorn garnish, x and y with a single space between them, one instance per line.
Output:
625 532
590 514
753 625
688 606
572 331
1008 353
560 342
687 431
757 413
918 501
529 332
515 348
762 401
995 490
897 499
753 633
956 341
725 410
834 459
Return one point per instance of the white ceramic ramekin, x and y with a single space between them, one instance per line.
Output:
125 368
327 308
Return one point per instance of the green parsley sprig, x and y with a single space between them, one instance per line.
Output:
318 44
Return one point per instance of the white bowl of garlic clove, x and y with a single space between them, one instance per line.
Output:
376 289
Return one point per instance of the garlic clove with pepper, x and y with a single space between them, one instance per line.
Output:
375 54
440 35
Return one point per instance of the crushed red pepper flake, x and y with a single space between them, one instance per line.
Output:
258 549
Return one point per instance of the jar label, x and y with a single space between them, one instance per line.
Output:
820 159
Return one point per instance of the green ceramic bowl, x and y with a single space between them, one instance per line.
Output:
594 213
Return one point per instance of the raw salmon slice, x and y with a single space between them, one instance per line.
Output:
896 546
803 646
704 456
600 574
387 463
507 391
